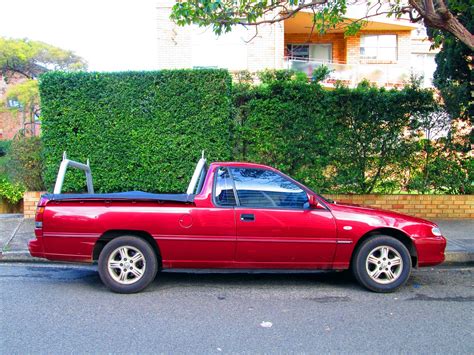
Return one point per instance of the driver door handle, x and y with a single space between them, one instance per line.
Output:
247 217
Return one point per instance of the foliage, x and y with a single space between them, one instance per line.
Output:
372 146
345 140
321 73
270 75
27 95
25 162
454 76
13 193
4 145
140 130
145 131
31 58
442 163
222 15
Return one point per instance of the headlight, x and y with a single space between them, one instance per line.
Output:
436 231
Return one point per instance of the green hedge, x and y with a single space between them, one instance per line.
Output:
140 130
145 131
361 140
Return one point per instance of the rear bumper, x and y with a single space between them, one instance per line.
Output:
430 250
36 248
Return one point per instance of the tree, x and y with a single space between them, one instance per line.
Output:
454 76
29 59
26 94
32 58
224 14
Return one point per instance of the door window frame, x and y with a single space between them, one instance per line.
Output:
214 186
237 201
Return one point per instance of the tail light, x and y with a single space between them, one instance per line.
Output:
39 212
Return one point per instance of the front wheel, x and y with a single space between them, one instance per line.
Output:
127 264
382 264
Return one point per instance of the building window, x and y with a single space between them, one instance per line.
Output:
298 51
378 47
321 52
13 103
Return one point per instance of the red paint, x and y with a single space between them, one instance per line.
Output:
202 235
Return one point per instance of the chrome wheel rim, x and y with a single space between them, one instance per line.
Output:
126 265
384 264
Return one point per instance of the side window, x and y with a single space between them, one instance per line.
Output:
224 192
264 188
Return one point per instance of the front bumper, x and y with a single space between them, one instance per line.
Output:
430 250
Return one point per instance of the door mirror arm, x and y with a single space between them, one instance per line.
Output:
314 203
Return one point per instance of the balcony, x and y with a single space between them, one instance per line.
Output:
382 75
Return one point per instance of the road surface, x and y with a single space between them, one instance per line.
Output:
50 308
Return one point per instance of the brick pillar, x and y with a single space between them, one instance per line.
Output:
30 200
404 48
353 49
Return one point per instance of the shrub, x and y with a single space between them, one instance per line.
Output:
140 130
25 162
344 140
12 193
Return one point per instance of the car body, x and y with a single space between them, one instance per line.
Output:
241 215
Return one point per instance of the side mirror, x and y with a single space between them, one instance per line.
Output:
313 202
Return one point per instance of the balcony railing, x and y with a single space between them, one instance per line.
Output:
383 75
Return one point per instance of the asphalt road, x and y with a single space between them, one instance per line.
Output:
65 309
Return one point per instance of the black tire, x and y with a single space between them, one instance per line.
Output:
127 264
376 273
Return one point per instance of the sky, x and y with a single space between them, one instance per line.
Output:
111 35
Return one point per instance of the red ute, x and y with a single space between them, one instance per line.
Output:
235 215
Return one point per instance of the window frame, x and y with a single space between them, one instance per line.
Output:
309 45
237 201
214 186
378 48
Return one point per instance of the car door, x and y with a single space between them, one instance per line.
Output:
275 225
201 236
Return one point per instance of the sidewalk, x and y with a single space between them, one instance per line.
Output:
15 231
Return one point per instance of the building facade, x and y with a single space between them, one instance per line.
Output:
385 52
16 120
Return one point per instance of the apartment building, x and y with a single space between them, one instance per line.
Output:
385 52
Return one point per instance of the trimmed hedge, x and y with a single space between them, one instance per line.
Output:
343 140
140 130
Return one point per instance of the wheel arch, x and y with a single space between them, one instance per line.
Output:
394 233
112 234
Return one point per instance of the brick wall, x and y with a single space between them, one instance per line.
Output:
403 47
266 49
11 122
174 42
5 207
186 46
30 200
425 206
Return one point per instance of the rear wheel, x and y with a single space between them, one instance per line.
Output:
382 264
127 264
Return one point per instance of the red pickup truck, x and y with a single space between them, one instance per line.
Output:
234 215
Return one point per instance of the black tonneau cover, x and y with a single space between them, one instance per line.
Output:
129 195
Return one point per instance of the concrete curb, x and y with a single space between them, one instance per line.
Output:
452 258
